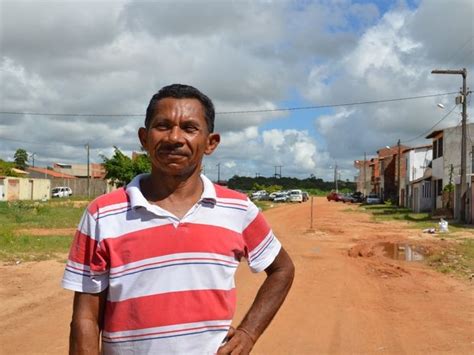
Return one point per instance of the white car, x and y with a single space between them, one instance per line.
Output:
61 191
295 196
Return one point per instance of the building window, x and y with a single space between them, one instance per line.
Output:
435 149
439 187
440 147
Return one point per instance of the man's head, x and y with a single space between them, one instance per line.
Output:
178 130
180 91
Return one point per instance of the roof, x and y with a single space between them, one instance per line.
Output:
419 147
51 173
19 171
434 134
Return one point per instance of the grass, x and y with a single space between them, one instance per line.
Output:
27 215
458 259
21 215
414 220
32 248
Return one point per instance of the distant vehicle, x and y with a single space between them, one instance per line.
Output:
348 198
373 199
295 196
280 197
61 191
305 196
358 196
334 196
259 195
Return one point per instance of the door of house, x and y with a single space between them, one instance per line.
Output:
30 189
13 192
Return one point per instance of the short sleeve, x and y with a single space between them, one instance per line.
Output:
87 265
262 245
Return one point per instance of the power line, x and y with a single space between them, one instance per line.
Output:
428 131
297 108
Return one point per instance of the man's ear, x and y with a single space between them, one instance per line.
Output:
142 132
213 141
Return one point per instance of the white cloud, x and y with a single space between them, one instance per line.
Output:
111 56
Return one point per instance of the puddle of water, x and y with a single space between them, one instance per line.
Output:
404 252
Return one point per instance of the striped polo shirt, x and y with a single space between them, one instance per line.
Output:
170 281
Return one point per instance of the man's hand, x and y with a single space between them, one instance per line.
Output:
239 342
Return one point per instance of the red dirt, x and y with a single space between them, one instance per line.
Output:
347 297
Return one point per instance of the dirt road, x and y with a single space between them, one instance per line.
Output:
348 298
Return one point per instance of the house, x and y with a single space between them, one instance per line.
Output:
375 177
79 185
388 184
18 188
96 171
417 179
363 179
446 166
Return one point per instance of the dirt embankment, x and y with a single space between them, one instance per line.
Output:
347 298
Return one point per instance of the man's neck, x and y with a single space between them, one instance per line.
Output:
162 189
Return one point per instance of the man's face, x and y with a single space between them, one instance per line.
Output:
178 137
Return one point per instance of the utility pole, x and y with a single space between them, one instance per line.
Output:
278 167
365 174
463 99
33 158
335 176
218 172
88 172
398 173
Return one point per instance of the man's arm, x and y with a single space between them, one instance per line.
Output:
269 298
86 324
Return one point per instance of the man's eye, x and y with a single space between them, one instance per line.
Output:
190 129
161 126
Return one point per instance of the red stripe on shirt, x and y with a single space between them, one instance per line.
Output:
256 232
166 239
117 196
86 251
223 192
169 309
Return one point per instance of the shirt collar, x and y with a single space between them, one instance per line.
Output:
138 200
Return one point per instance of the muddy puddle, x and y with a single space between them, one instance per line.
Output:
402 251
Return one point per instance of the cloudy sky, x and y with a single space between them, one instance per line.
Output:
109 57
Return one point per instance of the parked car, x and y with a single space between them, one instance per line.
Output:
280 197
347 198
259 195
358 196
373 199
334 196
295 196
61 191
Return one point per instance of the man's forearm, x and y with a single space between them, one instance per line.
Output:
269 298
84 337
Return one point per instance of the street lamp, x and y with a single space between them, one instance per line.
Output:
461 99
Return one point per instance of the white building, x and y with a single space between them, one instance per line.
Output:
418 187
446 166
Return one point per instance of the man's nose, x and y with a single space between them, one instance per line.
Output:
176 135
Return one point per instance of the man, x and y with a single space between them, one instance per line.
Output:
153 264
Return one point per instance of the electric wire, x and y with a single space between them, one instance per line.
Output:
432 127
297 108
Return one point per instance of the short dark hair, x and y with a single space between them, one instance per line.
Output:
180 91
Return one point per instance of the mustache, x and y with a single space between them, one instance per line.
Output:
171 149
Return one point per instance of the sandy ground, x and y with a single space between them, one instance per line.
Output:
347 298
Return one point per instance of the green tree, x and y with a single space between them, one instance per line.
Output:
21 159
6 168
121 169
